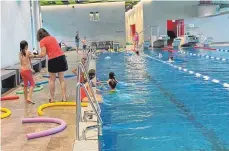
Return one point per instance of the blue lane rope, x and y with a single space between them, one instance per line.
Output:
222 50
204 56
198 75
65 76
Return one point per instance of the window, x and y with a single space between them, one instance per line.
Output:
94 16
91 16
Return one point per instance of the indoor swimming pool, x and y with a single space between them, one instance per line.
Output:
160 108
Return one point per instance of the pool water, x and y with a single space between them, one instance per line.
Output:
159 108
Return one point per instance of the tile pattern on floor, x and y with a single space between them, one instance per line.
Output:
13 132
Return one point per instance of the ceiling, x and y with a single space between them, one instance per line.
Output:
128 3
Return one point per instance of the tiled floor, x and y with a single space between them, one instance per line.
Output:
13 132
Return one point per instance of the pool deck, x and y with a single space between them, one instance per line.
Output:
13 132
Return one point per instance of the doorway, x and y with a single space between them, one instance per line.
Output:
175 28
133 30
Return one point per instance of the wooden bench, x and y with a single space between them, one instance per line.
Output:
36 65
8 80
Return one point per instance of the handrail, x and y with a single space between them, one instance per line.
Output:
148 27
88 61
78 108
81 67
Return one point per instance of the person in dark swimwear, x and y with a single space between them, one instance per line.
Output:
171 59
112 77
137 52
112 84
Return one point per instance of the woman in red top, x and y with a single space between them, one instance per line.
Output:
57 62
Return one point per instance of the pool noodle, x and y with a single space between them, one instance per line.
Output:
48 132
9 98
6 114
43 106
42 82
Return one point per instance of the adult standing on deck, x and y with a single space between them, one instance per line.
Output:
57 62
77 40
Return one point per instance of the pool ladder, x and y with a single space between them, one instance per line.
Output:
94 104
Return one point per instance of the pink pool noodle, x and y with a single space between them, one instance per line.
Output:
48 132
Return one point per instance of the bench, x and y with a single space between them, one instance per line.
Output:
101 45
36 65
42 60
8 80
16 68
66 48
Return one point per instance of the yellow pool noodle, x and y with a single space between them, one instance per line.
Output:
40 108
6 114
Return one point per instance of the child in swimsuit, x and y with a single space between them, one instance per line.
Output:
84 44
137 52
111 77
26 70
112 84
84 97
171 59
136 40
82 76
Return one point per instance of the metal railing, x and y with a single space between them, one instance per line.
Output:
88 61
94 103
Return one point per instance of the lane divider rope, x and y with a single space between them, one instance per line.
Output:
222 50
198 75
204 56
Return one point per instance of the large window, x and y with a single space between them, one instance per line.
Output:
94 16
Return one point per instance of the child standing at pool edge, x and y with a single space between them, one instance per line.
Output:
84 42
26 70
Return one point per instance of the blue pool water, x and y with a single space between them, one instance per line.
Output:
159 108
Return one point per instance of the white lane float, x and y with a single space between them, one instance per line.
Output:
185 70
215 81
198 75
226 85
206 78
191 72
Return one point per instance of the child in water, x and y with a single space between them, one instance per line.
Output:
26 70
111 77
112 82
84 98
137 52
171 59
160 55
112 85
